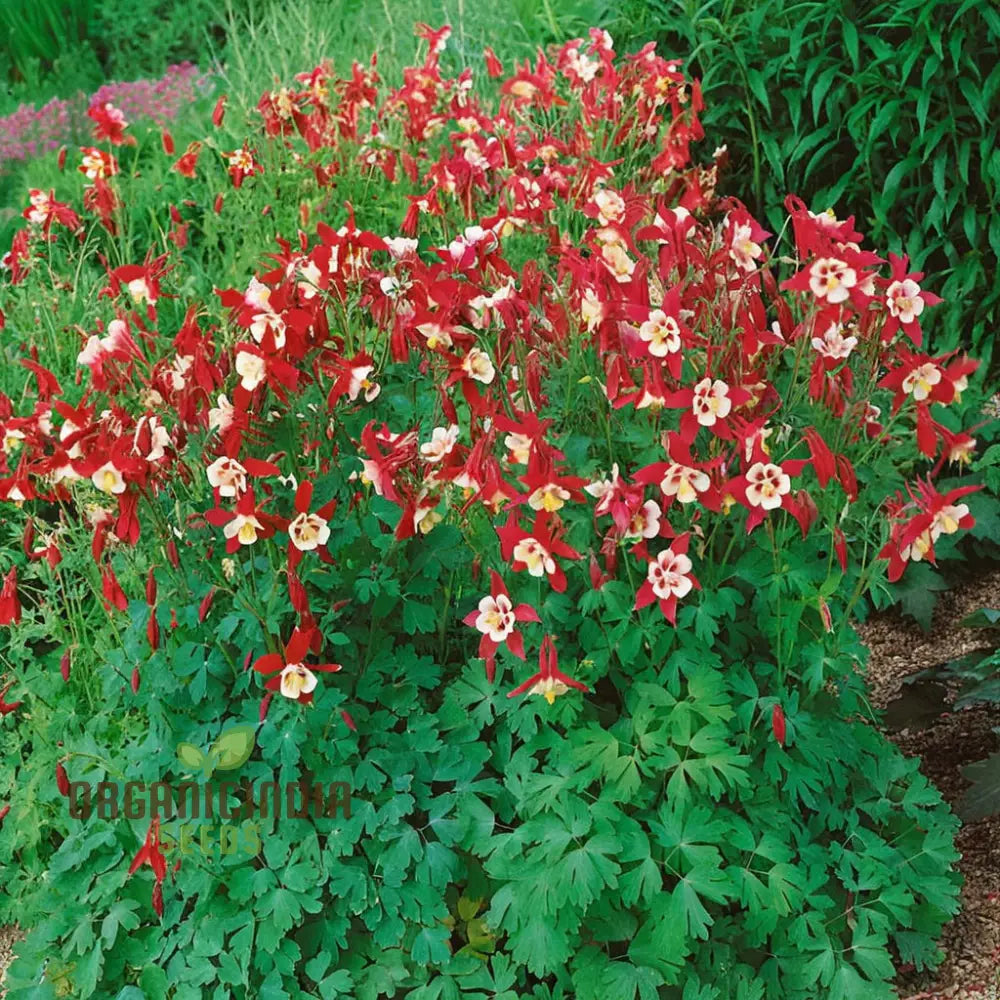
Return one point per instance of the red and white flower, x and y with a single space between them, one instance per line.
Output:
496 618
441 444
227 476
662 334
549 682
290 675
831 279
711 401
668 579
766 485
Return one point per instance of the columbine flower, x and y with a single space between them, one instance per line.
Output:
97 165
242 164
477 365
109 123
904 301
922 380
645 522
766 485
443 440
519 446
591 309
711 401
496 618
617 260
535 557
683 482
10 606
151 854
244 528
359 380
536 551
668 579
916 525
831 279
742 249
308 532
291 676
833 344
610 206
227 476
108 479
550 681
220 417
550 497
662 333
436 335
251 368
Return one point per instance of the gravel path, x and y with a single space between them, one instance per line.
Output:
9 936
946 742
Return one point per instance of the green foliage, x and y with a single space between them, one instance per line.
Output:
38 32
885 110
644 843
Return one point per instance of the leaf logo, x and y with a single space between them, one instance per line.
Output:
231 750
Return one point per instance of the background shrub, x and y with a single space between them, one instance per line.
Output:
887 111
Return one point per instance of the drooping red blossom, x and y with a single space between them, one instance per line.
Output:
549 681
152 854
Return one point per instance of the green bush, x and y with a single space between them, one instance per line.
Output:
889 111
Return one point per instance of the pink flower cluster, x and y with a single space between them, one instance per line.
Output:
30 131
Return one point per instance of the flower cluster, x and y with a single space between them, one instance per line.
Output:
724 394
29 132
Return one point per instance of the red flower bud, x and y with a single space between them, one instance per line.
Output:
168 143
840 547
172 554
64 666
346 716
205 606
153 631
824 613
62 158
62 779
218 204
3 812
158 899
151 588
173 618
135 680
264 702
246 662
778 724
220 110
28 538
